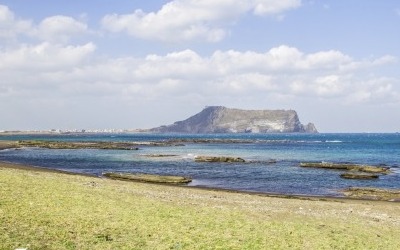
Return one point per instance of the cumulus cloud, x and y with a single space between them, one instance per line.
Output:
59 29
53 29
280 71
44 56
33 71
322 86
185 20
10 26
267 7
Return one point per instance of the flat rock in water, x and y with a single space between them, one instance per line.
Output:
218 159
159 155
347 166
359 176
8 145
78 145
166 179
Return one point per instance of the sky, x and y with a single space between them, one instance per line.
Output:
126 64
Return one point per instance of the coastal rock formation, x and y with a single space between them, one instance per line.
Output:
218 159
372 193
152 178
94 144
8 145
78 145
159 155
217 119
359 176
347 166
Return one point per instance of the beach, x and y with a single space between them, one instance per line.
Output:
47 209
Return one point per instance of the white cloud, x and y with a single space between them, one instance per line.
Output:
43 57
379 90
268 7
385 60
326 59
323 86
185 20
10 26
53 29
281 71
59 29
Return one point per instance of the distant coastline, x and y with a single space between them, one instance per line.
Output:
71 131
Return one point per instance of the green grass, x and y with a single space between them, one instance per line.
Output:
40 210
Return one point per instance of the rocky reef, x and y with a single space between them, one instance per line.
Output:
93 144
369 193
347 166
8 144
218 159
218 119
78 145
353 171
164 179
359 176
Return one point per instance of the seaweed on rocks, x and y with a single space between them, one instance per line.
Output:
369 193
218 159
165 179
347 166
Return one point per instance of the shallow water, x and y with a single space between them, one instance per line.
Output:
285 176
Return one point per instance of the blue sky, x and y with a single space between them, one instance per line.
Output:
139 64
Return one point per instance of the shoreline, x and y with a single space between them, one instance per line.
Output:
350 193
11 165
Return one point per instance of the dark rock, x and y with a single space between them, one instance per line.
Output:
347 166
218 159
372 193
270 161
96 144
8 145
310 128
165 179
360 176
159 155
79 145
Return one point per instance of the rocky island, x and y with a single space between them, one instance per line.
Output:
218 119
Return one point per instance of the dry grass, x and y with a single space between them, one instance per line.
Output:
47 210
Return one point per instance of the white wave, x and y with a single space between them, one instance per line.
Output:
189 156
395 170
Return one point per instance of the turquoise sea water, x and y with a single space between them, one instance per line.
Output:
285 176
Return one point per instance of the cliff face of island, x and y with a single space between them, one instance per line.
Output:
218 119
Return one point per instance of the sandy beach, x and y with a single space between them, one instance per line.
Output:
51 209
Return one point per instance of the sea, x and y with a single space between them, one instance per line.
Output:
272 160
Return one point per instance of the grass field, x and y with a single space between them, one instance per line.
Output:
47 210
